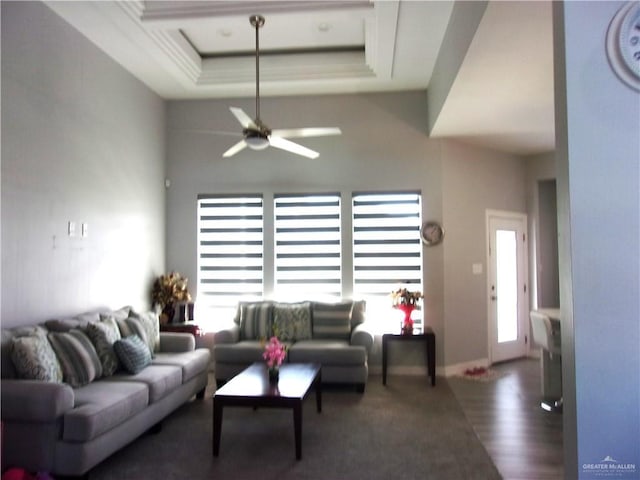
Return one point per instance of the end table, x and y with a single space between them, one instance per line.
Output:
184 327
429 339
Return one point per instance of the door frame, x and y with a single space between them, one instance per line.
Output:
524 308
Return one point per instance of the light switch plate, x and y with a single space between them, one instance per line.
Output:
71 228
476 268
85 229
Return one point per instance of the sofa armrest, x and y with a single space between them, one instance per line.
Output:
231 334
175 342
363 335
34 401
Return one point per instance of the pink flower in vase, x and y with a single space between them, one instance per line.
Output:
274 352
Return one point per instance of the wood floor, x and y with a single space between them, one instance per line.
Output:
524 441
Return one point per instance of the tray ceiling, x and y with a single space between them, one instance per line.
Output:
205 49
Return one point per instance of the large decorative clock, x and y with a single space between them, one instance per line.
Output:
623 44
431 233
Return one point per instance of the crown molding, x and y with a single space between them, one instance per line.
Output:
170 13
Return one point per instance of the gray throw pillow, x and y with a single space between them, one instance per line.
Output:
103 335
292 321
133 353
34 359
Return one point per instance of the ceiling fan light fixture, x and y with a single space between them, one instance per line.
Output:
257 142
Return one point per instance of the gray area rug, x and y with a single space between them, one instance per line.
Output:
406 430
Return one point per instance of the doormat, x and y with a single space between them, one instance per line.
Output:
481 374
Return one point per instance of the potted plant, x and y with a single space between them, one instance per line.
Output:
169 289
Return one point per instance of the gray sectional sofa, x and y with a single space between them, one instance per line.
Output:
335 335
65 426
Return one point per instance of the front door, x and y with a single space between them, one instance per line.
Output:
507 288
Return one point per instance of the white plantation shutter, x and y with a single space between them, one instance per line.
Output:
230 249
307 247
387 251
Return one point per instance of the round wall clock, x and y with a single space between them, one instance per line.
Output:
431 233
623 44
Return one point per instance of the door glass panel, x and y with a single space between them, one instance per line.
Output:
507 285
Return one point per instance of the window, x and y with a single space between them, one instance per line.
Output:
230 249
387 252
307 247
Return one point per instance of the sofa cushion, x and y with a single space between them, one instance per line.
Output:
133 353
255 320
160 379
245 351
332 320
327 352
103 335
192 363
77 356
151 324
101 406
34 359
292 321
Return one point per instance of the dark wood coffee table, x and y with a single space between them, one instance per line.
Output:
251 388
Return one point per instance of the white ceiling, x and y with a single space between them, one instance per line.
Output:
502 96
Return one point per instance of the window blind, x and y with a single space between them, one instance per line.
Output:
387 252
230 249
307 247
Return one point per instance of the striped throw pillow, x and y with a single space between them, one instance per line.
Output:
255 320
332 320
150 322
132 326
77 356
133 353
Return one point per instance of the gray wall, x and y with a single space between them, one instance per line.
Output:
473 180
464 21
383 146
598 143
543 231
82 141
547 266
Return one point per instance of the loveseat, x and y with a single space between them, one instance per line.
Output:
76 390
334 335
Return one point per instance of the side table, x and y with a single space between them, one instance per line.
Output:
429 339
184 327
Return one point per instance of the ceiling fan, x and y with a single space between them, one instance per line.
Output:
257 135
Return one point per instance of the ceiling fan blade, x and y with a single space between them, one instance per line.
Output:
306 132
217 132
284 144
244 119
235 149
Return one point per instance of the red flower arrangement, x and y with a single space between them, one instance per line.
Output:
407 302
